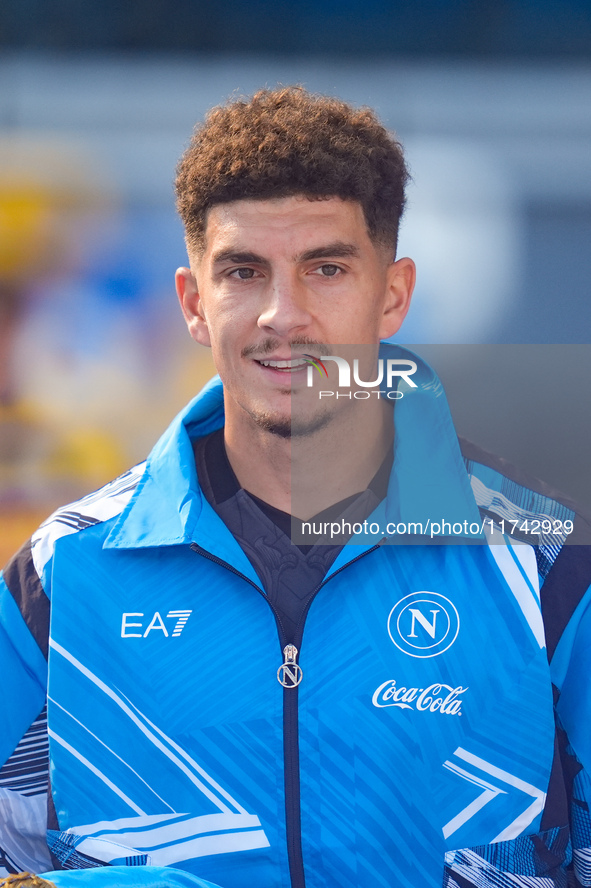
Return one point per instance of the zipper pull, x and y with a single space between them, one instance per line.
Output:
289 673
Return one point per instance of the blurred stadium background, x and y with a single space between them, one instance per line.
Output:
492 99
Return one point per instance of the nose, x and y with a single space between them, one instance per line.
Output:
285 310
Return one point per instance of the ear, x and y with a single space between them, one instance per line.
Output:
401 277
191 305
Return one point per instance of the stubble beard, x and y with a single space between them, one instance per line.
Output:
290 426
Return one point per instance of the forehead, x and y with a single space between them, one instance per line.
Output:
287 221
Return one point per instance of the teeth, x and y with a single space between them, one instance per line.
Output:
284 365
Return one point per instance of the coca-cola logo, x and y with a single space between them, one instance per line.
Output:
438 697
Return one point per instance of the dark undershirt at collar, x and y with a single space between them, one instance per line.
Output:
223 484
289 574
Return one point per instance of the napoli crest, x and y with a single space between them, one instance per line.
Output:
423 624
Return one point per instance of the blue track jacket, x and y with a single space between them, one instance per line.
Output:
420 748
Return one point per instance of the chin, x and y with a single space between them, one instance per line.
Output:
290 426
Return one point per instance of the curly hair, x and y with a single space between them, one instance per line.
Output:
289 142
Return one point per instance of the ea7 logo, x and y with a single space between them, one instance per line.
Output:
156 624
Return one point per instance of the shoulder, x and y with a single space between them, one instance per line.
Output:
96 508
27 576
562 538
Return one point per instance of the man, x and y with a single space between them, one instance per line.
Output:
247 711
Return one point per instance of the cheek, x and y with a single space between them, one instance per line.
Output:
228 336
229 315
357 323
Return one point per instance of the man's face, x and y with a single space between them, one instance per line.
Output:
277 275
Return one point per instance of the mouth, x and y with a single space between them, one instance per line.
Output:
283 366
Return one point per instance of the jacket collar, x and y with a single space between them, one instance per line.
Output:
428 480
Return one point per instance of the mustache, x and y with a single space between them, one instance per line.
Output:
268 346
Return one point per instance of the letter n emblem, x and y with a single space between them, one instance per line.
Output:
418 616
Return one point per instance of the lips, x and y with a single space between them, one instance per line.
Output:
284 366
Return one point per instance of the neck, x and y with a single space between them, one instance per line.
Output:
306 474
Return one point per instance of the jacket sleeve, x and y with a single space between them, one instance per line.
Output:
571 675
24 611
24 673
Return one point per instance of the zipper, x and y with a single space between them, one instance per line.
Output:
291 672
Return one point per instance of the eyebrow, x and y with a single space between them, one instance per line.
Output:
239 257
337 250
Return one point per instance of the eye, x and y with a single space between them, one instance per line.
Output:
245 274
329 270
